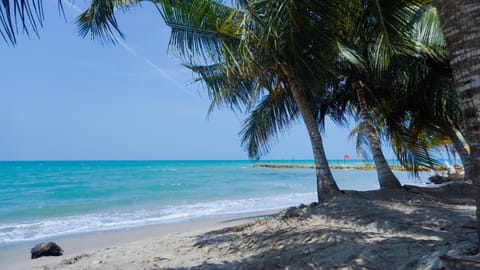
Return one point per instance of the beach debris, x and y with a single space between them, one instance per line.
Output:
75 259
46 249
292 212
437 179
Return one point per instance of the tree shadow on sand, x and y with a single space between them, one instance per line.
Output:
393 229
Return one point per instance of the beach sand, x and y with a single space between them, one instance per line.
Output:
76 246
411 228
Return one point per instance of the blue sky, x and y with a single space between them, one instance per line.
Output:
64 97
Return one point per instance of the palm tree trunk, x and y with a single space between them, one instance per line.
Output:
326 186
462 152
386 178
460 21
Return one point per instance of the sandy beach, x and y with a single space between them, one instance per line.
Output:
78 246
411 228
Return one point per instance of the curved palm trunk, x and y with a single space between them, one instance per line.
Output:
386 178
326 186
460 20
462 152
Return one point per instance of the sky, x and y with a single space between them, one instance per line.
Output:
64 97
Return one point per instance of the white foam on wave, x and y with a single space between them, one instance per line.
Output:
60 226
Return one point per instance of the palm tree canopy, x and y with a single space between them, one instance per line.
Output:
406 75
243 60
297 39
242 51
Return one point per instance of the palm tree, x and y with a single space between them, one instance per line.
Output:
382 53
270 58
461 25
270 30
386 178
434 106
258 60
460 21
428 111
420 98
385 39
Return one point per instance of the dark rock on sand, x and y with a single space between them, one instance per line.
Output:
437 179
46 249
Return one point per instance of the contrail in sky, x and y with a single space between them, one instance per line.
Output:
154 66
151 64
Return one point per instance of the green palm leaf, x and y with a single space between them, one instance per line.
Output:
20 15
271 117
392 24
225 89
99 19
201 28
428 35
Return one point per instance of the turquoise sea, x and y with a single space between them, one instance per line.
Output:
44 199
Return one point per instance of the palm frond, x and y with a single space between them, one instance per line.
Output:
428 35
21 15
359 134
300 36
392 23
336 106
272 116
413 151
99 19
225 87
352 57
200 28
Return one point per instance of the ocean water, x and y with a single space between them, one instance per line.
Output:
44 199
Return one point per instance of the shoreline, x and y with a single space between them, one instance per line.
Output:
17 255
408 228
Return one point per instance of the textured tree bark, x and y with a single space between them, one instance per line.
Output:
386 178
460 20
326 186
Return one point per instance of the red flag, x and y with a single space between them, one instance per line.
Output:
346 156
